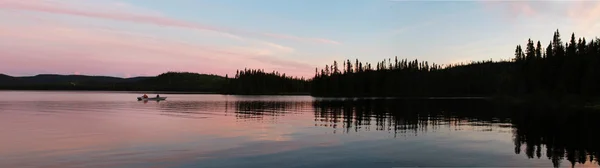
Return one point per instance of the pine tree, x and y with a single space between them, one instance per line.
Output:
518 54
335 68
530 51
572 47
560 69
549 51
538 51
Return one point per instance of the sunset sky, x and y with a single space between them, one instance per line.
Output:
147 37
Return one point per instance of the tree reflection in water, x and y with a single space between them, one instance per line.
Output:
557 134
562 133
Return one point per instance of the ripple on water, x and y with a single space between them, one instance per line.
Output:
55 129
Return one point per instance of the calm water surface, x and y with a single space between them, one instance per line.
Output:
104 129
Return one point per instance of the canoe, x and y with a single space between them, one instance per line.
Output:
152 98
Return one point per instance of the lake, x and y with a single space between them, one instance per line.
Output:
113 129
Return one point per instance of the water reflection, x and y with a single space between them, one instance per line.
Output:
243 110
565 134
246 131
555 134
193 109
402 116
268 110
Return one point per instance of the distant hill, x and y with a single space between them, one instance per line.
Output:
5 78
170 81
183 81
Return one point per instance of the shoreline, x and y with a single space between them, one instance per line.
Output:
150 92
113 91
534 101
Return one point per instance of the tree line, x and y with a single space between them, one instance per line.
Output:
405 78
562 69
259 82
569 69
169 81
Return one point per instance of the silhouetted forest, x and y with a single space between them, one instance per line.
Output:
404 78
258 82
569 69
170 81
183 81
559 71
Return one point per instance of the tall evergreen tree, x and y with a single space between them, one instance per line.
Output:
335 68
549 51
530 52
538 50
519 56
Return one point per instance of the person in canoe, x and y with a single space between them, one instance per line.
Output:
157 96
145 96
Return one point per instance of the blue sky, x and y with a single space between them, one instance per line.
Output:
290 36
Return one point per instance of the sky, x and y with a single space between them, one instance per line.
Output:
128 38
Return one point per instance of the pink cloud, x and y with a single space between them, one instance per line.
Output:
31 42
579 16
290 68
59 7
571 9
65 48
316 40
517 9
522 8
585 13
56 8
